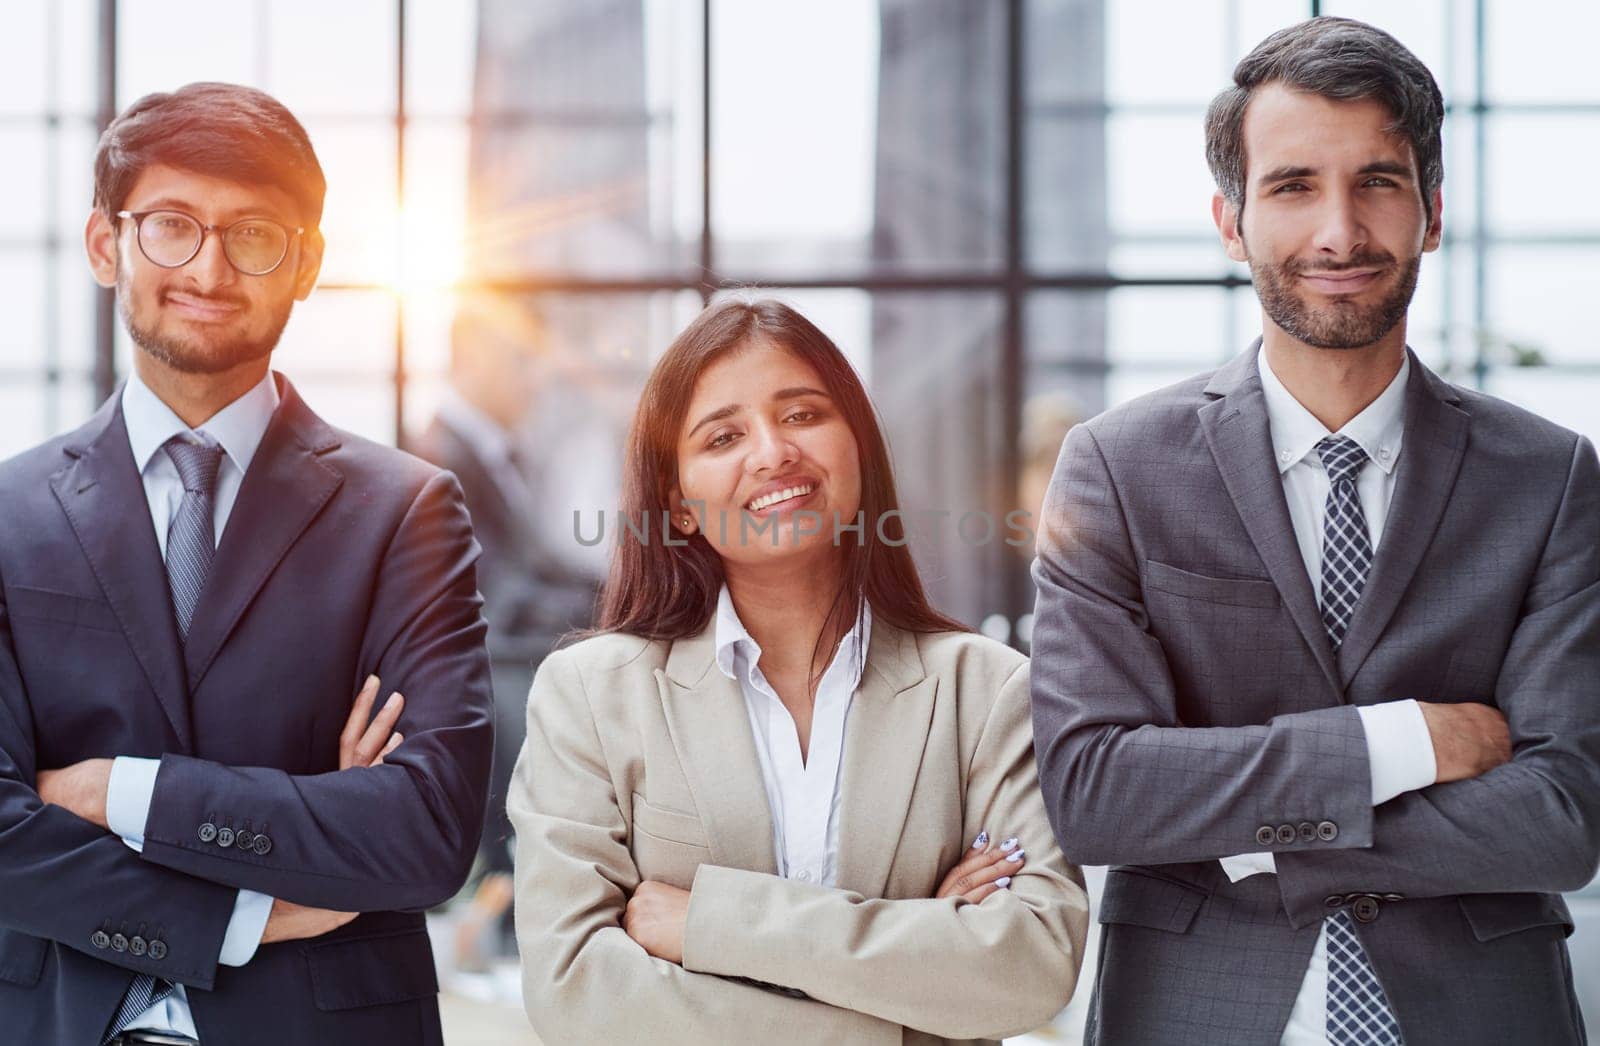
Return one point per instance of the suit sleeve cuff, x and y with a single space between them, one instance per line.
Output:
128 797
1399 749
248 923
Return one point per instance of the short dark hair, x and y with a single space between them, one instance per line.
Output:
1336 58
221 130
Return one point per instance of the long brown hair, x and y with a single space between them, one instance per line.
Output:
662 591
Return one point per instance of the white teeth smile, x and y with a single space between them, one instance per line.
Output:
767 500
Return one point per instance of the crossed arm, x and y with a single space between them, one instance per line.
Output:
85 789
862 967
425 630
1107 729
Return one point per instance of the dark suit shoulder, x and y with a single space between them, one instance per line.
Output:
377 466
1504 427
1158 428
36 464
1161 409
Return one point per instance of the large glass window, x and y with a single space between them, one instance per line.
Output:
998 208
1009 195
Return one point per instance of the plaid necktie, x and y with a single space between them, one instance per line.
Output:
190 542
1358 1011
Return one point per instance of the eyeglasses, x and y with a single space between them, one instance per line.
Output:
171 239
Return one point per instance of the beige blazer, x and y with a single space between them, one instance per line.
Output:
640 764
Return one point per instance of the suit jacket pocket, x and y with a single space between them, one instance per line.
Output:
1232 591
21 958
1139 897
667 846
667 824
1494 915
372 970
61 608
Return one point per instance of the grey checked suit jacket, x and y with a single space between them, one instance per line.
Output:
1172 597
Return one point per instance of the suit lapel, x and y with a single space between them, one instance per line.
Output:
1236 427
103 498
886 733
710 730
1430 458
285 488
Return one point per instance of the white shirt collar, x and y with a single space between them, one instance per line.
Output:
238 427
1296 431
732 639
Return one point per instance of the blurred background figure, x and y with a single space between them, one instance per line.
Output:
1047 417
497 347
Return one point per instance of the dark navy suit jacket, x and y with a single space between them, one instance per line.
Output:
341 558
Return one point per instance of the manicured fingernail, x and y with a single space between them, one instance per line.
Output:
1016 855
371 682
1009 845
982 840
1003 882
394 699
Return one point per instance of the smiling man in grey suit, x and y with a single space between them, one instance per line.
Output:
1317 649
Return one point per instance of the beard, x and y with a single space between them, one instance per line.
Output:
199 355
1342 323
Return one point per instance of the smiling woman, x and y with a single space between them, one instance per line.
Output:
779 796
752 400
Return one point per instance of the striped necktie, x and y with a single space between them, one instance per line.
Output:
190 542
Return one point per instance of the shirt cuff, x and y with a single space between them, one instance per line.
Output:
249 922
128 797
1243 866
1399 749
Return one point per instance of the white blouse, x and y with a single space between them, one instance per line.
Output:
803 794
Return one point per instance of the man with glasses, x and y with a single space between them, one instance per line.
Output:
203 836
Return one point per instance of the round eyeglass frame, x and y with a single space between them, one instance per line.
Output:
138 217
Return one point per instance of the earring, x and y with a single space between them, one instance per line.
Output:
687 521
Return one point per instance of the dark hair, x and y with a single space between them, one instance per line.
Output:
1336 58
220 130
670 592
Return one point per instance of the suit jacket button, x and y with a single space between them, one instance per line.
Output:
1308 832
119 943
208 832
1286 834
158 950
137 945
100 939
244 837
262 845
1327 831
224 837
1333 900
1365 908
1265 835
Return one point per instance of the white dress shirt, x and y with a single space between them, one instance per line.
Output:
238 429
1399 747
803 793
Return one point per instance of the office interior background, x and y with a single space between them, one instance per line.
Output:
999 209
